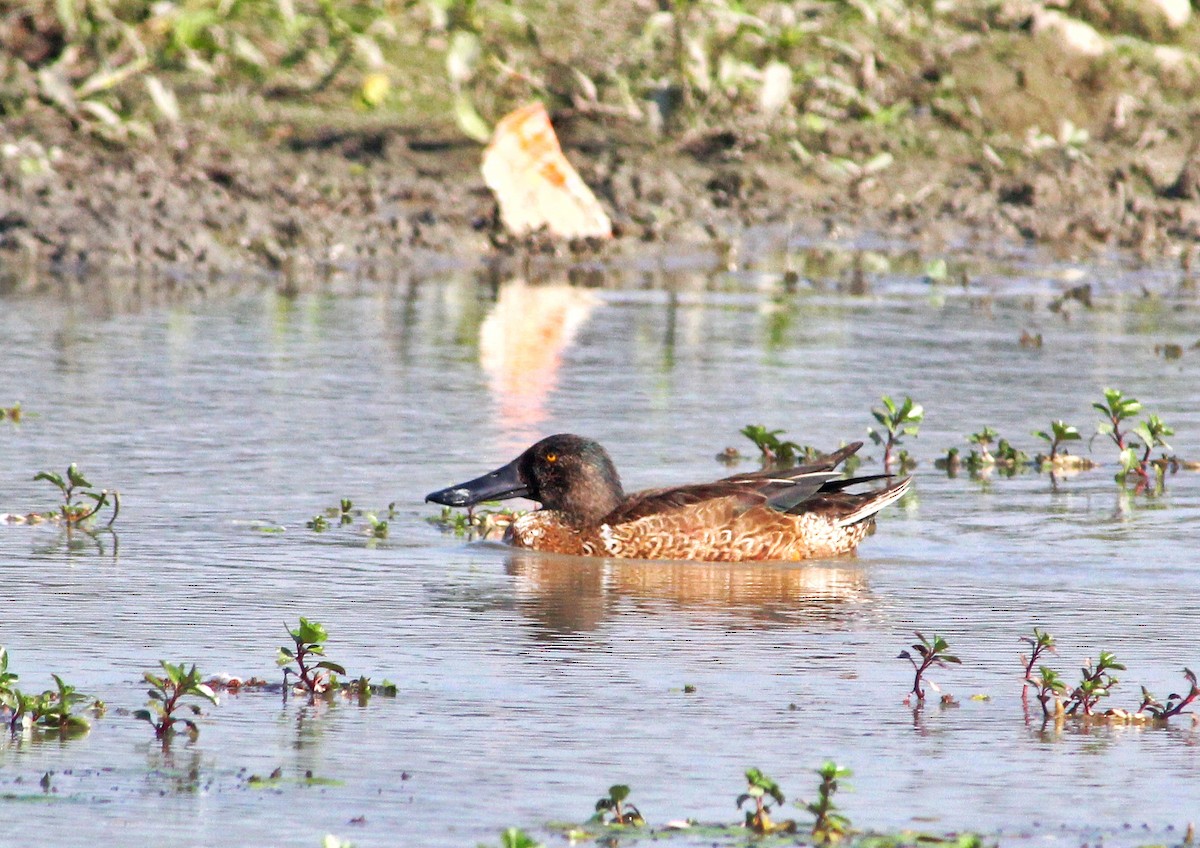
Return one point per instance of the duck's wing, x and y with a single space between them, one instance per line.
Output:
821 463
786 490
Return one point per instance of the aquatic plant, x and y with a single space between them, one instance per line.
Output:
52 709
897 421
1049 688
514 837
614 809
1006 456
1116 409
362 688
1009 456
379 528
11 413
1059 432
983 439
1151 432
951 463
760 792
1095 683
933 652
474 521
1175 702
73 510
1145 436
828 824
57 708
345 513
776 452
1040 642
308 638
167 693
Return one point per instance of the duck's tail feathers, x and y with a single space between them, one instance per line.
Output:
838 485
875 502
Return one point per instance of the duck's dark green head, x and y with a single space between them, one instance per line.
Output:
566 473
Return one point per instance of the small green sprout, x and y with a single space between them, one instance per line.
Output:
1059 432
828 824
73 510
984 439
1049 688
1152 432
933 652
57 708
1116 409
318 524
49 710
897 420
613 809
776 453
1096 683
166 697
516 838
11 413
761 790
1175 703
308 639
379 529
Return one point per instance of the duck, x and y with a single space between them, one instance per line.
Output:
800 513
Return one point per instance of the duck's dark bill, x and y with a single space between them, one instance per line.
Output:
498 485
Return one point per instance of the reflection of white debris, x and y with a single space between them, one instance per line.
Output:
534 183
521 342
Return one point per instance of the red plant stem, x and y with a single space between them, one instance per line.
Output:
168 713
925 664
1178 708
1033 658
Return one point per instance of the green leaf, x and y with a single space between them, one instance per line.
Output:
309 632
331 666
204 691
56 479
473 126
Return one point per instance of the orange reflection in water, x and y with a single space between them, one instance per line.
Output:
569 594
521 343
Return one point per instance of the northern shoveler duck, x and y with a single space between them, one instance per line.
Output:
799 513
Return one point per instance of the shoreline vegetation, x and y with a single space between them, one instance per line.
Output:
192 146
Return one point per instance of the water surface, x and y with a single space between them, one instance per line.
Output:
529 683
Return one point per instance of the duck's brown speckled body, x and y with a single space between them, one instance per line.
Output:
800 513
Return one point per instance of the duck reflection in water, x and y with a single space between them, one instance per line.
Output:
568 594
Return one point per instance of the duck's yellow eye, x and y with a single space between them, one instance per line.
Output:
551 457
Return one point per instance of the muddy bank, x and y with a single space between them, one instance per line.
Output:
190 213
244 193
